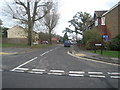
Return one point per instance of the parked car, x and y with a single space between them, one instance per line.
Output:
44 42
73 42
67 43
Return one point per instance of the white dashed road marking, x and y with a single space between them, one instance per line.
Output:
77 72
112 75
99 76
39 70
77 75
55 73
60 71
35 72
116 77
95 73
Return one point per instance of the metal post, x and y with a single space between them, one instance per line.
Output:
101 49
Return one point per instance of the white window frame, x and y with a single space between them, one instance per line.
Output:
103 21
96 22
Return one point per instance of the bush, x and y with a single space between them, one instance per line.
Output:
90 38
114 44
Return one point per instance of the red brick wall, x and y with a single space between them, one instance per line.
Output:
112 22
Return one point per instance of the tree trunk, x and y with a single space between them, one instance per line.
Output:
30 26
50 37
30 35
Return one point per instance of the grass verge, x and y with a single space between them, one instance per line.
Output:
108 53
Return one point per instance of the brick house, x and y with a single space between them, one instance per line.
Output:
98 20
107 22
112 21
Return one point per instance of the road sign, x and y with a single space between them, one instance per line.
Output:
105 37
98 44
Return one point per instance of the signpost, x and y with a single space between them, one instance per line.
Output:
99 45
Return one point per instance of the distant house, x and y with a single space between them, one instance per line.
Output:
18 34
107 22
54 39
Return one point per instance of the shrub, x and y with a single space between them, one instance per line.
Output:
90 38
114 44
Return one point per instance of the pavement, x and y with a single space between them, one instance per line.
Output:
75 50
14 50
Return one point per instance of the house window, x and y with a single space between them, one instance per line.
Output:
96 22
103 21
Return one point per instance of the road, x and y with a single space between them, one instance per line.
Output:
53 67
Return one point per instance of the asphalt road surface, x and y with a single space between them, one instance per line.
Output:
53 67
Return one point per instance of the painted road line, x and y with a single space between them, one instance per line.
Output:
18 70
76 75
79 54
93 60
97 76
24 63
39 70
95 72
4 53
51 50
44 53
116 77
61 71
78 72
35 72
48 51
25 69
114 73
54 73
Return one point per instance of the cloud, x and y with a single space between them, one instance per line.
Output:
68 8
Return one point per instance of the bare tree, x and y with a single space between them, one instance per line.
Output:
81 22
28 12
51 20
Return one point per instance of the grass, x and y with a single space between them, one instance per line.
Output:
108 53
5 45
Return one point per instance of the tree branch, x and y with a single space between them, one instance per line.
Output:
41 16
20 3
19 19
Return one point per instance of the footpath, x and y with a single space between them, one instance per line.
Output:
13 50
77 52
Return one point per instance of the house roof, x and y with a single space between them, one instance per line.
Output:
112 8
99 13
17 26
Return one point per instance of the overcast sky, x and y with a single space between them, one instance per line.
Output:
68 8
